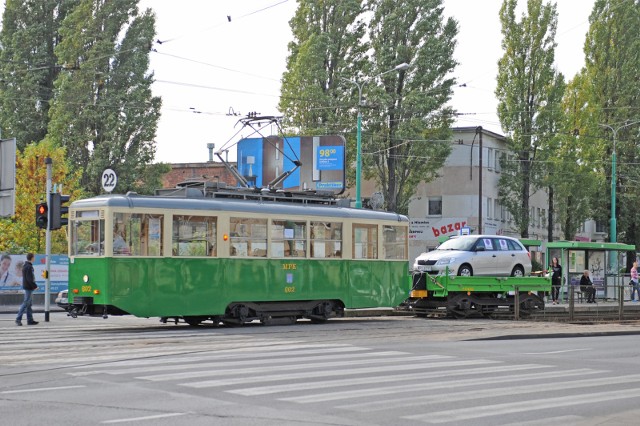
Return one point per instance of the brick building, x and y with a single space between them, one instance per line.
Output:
209 171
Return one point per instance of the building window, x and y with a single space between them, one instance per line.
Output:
490 158
499 157
601 227
434 207
497 209
489 208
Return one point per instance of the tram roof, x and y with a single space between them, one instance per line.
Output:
225 204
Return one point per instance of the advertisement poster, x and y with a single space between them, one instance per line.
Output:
11 272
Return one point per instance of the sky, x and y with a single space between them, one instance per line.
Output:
216 61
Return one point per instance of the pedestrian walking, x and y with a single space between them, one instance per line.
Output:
29 286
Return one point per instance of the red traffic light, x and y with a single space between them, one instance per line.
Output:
42 218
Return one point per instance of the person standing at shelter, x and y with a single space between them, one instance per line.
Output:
586 286
556 280
28 285
635 287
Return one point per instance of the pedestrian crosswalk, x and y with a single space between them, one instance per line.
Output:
356 382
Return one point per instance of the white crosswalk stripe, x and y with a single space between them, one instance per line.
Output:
411 388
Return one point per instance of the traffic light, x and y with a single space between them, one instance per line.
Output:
42 218
58 210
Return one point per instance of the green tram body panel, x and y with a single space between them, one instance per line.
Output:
442 285
166 286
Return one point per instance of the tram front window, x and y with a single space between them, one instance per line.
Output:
87 233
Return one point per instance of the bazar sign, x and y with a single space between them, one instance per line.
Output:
426 229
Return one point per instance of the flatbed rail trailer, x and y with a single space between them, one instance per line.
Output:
462 297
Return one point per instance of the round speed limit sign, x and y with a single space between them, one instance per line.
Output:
109 180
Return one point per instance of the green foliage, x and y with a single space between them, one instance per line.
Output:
19 233
103 112
528 92
611 90
411 120
28 66
328 65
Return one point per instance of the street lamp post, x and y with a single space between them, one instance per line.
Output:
403 66
613 224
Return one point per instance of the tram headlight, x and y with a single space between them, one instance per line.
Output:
96 291
85 278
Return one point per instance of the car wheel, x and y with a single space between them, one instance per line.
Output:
465 271
518 271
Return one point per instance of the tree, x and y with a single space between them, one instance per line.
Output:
28 66
19 233
104 113
410 126
612 69
326 48
525 84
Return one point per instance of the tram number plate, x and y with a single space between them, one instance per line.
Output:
290 289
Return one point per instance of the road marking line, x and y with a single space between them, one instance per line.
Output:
540 405
428 386
138 419
331 373
42 389
411 378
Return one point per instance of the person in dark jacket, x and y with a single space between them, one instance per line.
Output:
586 286
28 285
556 280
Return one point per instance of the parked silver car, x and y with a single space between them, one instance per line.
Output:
489 255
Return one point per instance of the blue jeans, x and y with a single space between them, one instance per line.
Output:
635 289
26 306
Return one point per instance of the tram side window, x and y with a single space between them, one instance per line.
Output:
194 236
288 238
365 241
137 234
326 239
248 237
87 233
394 244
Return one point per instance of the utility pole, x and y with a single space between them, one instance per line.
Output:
47 283
479 132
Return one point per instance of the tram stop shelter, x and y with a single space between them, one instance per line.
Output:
606 263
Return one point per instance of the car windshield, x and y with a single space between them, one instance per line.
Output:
464 244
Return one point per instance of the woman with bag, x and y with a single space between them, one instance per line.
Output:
556 280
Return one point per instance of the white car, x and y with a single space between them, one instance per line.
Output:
63 299
488 255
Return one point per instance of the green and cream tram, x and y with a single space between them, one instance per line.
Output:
232 259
